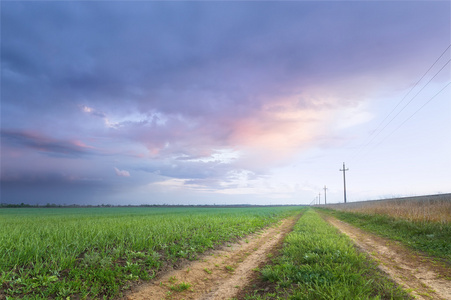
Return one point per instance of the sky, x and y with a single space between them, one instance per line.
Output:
240 102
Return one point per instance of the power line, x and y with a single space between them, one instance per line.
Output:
344 180
417 94
376 132
402 109
405 121
411 89
325 201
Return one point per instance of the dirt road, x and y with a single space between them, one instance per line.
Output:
219 275
424 277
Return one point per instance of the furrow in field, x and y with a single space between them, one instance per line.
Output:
219 275
419 274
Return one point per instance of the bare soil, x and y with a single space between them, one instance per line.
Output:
221 274
425 277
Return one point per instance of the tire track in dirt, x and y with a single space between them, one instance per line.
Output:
221 274
424 277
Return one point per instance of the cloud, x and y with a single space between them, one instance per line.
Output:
92 111
201 91
44 187
122 173
45 144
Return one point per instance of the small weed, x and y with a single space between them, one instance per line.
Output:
230 268
424 294
183 286
207 271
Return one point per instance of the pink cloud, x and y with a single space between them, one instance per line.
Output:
46 144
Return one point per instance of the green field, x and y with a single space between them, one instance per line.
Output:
317 262
97 252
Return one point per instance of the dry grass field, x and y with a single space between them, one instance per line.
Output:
433 208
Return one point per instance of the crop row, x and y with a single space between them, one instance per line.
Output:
317 262
97 252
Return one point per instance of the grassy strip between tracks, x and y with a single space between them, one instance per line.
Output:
95 253
317 262
432 238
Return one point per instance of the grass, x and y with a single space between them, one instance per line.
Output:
432 238
425 209
230 269
92 253
183 286
317 262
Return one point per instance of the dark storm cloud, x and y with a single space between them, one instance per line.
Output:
55 188
172 83
196 57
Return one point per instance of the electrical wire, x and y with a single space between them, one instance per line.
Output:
391 120
405 121
377 132
386 117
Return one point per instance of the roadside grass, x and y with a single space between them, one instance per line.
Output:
317 262
95 253
434 208
432 238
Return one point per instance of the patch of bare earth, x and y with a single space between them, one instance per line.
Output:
424 277
219 275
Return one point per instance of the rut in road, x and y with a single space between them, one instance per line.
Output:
424 277
221 274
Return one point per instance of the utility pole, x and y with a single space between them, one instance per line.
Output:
319 198
344 179
325 188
